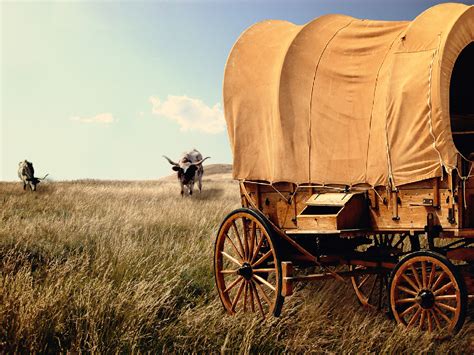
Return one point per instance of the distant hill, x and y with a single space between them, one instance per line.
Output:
211 172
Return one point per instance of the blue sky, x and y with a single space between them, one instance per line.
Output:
102 89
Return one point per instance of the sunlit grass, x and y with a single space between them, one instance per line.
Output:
127 266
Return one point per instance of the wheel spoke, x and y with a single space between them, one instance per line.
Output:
265 282
237 297
414 318
237 235
430 322
234 247
228 271
436 319
246 288
252 303
257 249
262 259
246 239
442 314
230 258
446 297
410 282
235 282
264 270
263 293
415 274
423 277
438 280
364 280
422 319
405 300
257 297
445 306
444 288
253 232
432 275
408 310
407 290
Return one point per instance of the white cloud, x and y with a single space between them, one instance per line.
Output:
101 118
191 114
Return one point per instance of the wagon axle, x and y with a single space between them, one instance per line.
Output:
245 271
425 299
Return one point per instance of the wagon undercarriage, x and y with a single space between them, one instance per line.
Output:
422 276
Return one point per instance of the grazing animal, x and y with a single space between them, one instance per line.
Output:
26 173
189 167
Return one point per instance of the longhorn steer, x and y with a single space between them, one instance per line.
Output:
188 168
26 173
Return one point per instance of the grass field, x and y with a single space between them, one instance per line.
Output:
127 266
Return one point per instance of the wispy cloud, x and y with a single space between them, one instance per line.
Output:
191 114
101 118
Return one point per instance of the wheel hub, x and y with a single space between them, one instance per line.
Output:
426 299
245 271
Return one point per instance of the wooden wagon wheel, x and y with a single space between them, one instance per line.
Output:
371 289
427 292
247 266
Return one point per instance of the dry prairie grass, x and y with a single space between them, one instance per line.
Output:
127 266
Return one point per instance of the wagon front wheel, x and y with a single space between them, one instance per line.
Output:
427 292
247 266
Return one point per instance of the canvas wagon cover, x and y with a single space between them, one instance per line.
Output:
345 101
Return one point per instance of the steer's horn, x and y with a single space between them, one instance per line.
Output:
171 162
44 177
201 161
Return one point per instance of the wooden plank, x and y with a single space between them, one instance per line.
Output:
329 199
311 231
320 222
411 210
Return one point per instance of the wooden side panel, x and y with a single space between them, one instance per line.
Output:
412 201
319 222
413 207
274 205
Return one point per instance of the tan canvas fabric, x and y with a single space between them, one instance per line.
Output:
345 101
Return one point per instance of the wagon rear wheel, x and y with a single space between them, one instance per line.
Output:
427 292
371 289
247 266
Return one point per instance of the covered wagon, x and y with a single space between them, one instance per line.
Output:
353 143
